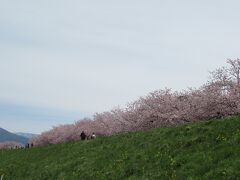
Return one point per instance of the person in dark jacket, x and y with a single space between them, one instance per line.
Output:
83 135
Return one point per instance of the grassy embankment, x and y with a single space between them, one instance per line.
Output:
208 150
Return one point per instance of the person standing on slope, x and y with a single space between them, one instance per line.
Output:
83 135
93 136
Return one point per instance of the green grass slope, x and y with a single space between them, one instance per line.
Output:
208 150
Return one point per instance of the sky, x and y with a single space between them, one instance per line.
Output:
62 60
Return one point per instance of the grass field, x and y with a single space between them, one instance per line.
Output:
207 150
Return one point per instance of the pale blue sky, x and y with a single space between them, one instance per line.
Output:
73 57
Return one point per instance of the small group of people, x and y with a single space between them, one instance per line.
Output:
83 136
27 146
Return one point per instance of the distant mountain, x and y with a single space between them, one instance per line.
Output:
8 136
27 135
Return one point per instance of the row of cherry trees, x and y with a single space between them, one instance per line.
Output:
219 97
10 145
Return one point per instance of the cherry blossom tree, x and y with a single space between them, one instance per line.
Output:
219 97
10 145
